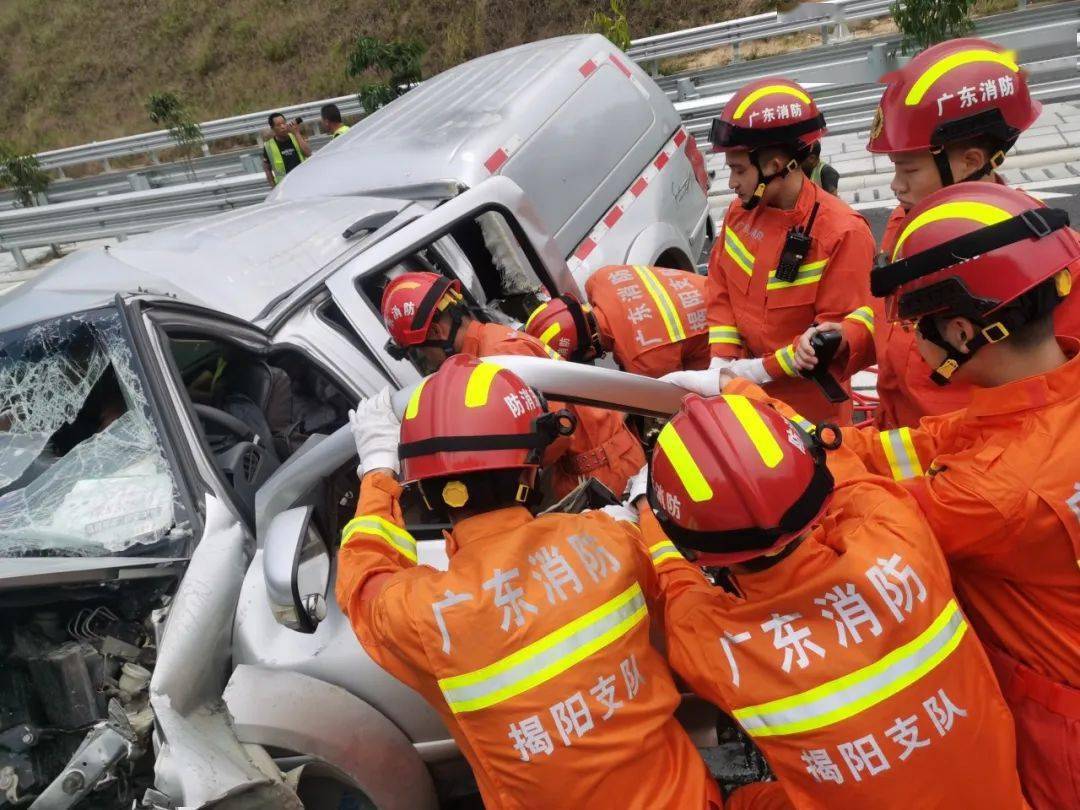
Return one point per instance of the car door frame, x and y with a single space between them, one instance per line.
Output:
152 320
497 195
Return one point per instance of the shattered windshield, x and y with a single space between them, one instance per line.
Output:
82 469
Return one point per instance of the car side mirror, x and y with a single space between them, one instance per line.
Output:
296 568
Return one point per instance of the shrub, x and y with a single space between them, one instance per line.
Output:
928 22
396 62
23 174
614 26
168 111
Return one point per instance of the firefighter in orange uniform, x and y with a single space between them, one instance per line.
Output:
534 645
979 270
949 115
834 638
789 253
652 319
428 322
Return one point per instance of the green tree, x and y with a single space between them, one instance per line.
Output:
396 63
23 174
928 22
614 26
168 111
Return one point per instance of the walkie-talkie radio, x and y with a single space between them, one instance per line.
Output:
796 249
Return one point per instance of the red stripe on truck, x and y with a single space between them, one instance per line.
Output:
618 63
497 159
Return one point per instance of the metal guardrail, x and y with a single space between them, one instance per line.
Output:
125 214
1037 34
648 52
1044 37
153 142
1036 31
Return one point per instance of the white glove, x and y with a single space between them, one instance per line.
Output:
637 485
376 431
620 511
718 363
752 369
705 383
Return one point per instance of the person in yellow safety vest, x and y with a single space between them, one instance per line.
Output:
330 121
286 150
820 172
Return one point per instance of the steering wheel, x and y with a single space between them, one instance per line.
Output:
225 420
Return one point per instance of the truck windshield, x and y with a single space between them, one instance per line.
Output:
82 468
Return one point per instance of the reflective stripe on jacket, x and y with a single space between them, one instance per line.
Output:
999 485
534 649
754 314
654 316
850 663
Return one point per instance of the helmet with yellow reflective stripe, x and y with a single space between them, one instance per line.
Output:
473 416
769 112
410 303
981 251
954 91
568 327
733 480
772 111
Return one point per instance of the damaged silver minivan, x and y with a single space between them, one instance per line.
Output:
163 403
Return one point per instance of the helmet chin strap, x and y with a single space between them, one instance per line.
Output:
944 168
992 333
448 344
764 181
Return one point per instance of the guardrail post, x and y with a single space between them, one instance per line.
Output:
251 163
685 89
735 52
155 158
825 34
139 181
654 67
20 260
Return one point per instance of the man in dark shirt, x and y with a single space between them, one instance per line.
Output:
286 150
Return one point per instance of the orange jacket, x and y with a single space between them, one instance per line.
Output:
752 314
998 483
849 662
602 446
653 317
534 649
904 387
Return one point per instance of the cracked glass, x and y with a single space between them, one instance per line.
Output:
82 468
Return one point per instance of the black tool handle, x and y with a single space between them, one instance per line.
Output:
825 345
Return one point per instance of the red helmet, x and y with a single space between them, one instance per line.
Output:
958 89
733 479
410 302
768 112
475 416
567 326
974 250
